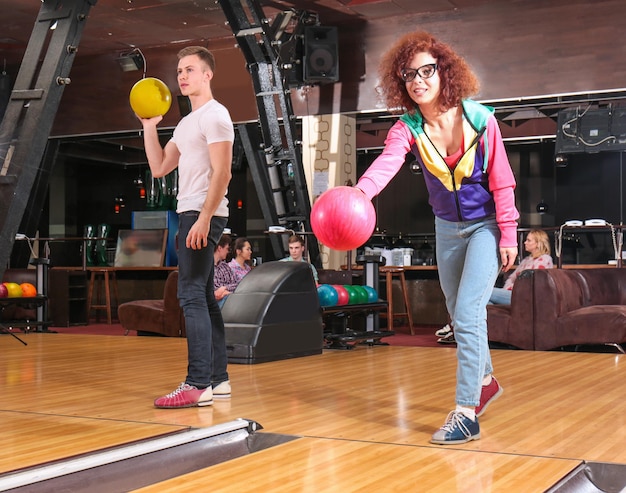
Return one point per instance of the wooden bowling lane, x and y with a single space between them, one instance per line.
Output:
328 465
374 408
30 439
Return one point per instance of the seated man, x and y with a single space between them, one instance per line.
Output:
296 252
224 279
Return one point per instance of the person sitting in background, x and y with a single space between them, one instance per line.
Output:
240 264
224 280
446 334
537 244
296 253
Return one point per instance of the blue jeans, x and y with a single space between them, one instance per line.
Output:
221 302
206 340
500 296
468 264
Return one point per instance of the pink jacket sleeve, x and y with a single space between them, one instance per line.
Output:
384 168
502 186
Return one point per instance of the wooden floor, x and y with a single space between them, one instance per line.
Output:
364 416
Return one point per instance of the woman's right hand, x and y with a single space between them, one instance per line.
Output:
221 292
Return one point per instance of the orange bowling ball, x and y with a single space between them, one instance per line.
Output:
28 290
150 97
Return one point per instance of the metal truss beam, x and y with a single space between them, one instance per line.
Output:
276 166
31 109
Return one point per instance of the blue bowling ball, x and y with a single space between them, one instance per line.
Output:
327 295
372 295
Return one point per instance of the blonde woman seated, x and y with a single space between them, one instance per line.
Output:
537 245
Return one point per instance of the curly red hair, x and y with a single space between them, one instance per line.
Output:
458 82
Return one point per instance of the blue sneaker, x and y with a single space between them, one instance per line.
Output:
457 429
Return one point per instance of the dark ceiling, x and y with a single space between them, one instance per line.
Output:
121 25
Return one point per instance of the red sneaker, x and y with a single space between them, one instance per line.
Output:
186 396
488 394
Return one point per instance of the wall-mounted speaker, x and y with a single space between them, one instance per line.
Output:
321 60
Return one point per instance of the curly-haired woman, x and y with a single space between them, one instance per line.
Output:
471 186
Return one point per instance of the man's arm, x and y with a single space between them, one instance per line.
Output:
221 154
161 160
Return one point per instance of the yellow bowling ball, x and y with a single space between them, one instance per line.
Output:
150 97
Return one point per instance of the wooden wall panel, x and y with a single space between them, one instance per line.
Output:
97 99
518 49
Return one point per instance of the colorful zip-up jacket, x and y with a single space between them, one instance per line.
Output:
478 184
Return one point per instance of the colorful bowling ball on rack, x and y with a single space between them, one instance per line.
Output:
327 295
372 295
28 290
343 218
353 295
342 294
14 290
4 292
361 294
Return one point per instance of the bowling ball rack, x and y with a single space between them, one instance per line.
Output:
337 321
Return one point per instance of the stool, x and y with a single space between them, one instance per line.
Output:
108 276
391 272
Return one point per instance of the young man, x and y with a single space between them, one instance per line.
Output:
201 148
296 252
224 279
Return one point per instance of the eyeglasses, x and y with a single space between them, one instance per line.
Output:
425 72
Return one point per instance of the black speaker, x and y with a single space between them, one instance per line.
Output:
321 60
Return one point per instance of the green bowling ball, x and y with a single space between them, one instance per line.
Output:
362 294
353 295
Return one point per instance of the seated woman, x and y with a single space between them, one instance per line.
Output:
537 244
240 264
224 279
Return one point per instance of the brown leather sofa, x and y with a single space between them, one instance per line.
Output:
555 308
155 317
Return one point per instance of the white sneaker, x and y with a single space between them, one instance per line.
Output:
444 331
222 391
449 339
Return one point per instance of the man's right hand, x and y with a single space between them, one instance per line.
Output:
154 121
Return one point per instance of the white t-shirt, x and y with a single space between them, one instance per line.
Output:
208 124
